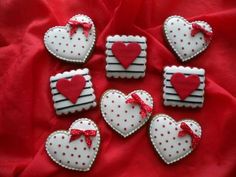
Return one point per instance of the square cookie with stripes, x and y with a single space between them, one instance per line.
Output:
126 56
183 86
72 91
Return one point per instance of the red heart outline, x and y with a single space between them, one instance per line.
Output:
183 85
71 89
126 54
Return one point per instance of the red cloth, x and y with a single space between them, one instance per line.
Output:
27 116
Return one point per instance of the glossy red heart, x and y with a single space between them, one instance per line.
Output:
71 89
183 85
126 54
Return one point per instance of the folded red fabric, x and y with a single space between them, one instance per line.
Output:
27 116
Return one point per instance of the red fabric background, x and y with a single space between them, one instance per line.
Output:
27 116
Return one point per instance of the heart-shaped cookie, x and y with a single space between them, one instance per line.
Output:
73 42
77 148
187 39
126 113
174 140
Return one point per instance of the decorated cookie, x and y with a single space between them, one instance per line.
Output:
126 56
184 86
174 140
187 39
73 42
75 149
72 91
126 113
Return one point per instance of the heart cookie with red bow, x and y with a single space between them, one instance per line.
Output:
126 113
72 42
72 91
126 56
75 149
184 86
187 39
174 140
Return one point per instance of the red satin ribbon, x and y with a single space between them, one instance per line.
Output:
77 133
196 28
144 107
186 130
75 25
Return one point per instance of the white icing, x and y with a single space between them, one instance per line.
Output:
77 155
196 96
122 117
164 136
178 33
134 70
64 106
75 48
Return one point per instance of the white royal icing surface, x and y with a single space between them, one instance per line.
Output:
74 155
123 117
87 97
178 34
170 96
164 136
136 69
75 48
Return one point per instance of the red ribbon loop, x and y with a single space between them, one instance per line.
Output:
77 133
186 130
143 106
75 25
196 28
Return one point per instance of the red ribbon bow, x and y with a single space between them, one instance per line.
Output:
76 133
186 130
196 28
144 107
75 25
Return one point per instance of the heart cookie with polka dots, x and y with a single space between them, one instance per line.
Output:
126 113
174 140
72 42
187 39
77 148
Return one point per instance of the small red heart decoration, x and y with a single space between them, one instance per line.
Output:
183 85
126 54
71 89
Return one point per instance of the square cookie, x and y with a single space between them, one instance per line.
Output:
72 91
126 56
184 86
